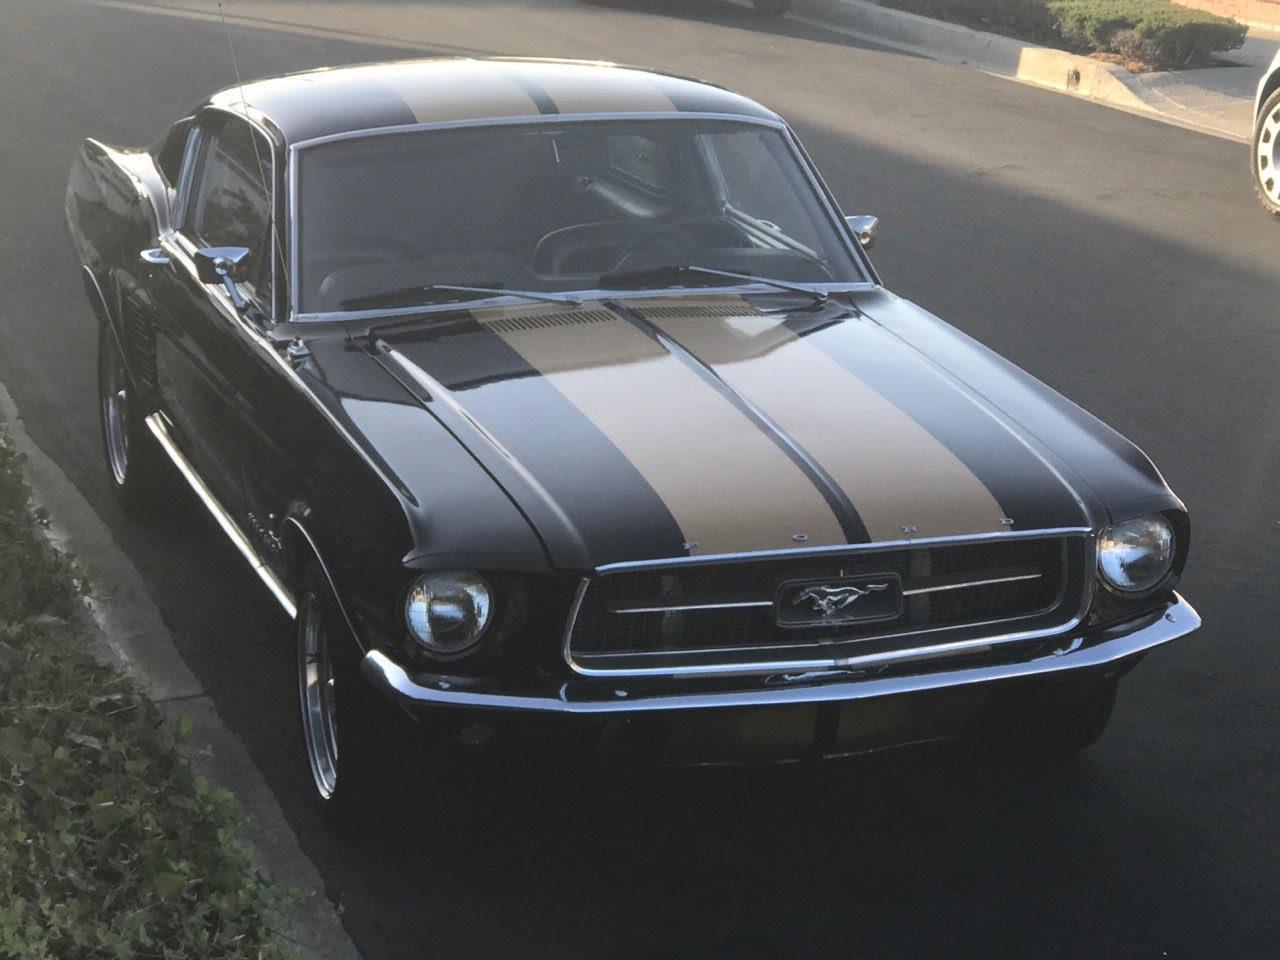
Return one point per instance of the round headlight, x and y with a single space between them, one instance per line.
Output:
448 612
1136 555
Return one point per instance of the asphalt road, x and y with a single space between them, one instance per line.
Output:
1120 260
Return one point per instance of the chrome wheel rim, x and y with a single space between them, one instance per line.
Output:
1265 155
316 688
115 413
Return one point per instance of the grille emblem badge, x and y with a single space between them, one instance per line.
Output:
828 600
866 598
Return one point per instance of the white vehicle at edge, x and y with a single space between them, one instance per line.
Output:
1263 157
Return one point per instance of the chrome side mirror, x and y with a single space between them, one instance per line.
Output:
221 265
864 230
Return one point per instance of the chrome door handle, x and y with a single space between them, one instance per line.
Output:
155 256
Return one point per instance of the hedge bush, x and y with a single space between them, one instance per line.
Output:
110 846
1158 33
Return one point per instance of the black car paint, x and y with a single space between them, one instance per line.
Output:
339 456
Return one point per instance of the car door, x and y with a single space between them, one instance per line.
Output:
204 345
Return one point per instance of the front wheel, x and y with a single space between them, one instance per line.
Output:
133 459
1266 155
1053 720
349 731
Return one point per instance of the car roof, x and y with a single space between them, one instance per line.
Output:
340 100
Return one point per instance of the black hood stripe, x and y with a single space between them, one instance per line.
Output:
902 480
614 511
843 509
1028 492
724 480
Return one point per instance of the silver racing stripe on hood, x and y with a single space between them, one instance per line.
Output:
728 485
902 480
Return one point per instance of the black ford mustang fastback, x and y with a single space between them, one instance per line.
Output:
548 388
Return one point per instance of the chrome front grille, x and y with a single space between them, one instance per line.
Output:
693 616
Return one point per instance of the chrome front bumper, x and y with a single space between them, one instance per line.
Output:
1099 650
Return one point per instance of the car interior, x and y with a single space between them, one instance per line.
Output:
536 207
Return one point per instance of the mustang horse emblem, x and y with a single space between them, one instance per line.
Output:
828 600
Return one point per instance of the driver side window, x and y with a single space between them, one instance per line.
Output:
231 205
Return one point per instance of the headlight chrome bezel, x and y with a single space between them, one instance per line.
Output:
437 586
1120 547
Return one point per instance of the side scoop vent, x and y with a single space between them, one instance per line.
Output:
517 324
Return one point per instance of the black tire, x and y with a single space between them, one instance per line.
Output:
1264 155
134 460
1049 720
771 8
367 731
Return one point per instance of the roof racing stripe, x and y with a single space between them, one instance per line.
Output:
724 480
572 91
488 92
344 100
901 478
536 92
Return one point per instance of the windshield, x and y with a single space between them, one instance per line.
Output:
548 208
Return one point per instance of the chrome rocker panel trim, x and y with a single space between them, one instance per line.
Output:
1099 650
160 430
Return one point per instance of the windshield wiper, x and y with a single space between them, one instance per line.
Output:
401 293
631 278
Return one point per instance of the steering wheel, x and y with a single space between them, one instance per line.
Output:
683 233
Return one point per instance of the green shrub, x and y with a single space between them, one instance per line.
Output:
1159 33
1156 32
110 847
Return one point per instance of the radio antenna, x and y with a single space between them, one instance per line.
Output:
273 227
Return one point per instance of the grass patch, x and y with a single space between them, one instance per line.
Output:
110 846
1150 34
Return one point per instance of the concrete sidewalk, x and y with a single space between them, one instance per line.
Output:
1216 100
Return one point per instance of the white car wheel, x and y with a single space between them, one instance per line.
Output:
1265 159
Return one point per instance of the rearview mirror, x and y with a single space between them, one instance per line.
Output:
864 230
222 265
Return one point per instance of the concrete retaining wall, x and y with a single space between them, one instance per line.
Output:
1255 13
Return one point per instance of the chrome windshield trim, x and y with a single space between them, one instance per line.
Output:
836 549
585 294
534 120
158 427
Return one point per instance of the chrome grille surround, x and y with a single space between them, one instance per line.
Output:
880 645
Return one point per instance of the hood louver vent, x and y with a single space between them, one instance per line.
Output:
711 311
515 324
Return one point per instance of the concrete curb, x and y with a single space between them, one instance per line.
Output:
1003 56
132 635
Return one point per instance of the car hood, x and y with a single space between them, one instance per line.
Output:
708 424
